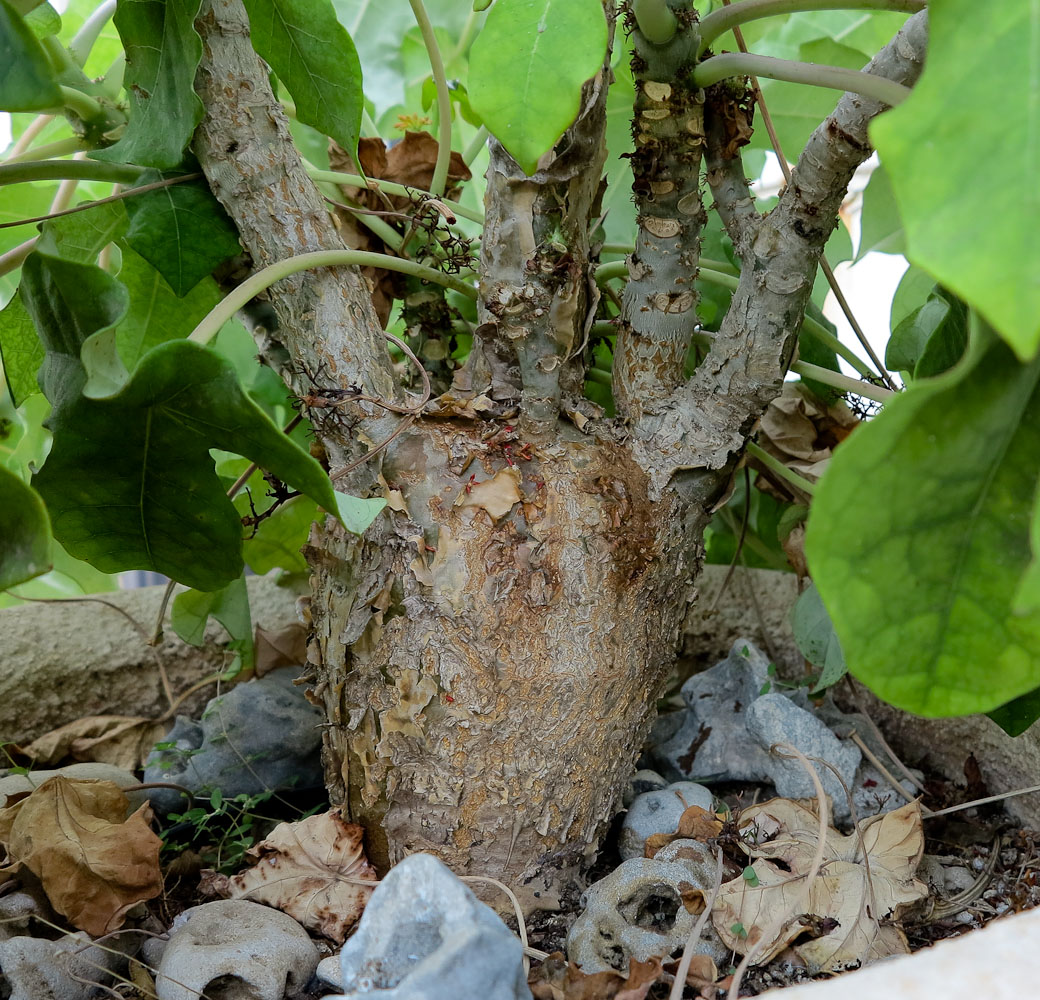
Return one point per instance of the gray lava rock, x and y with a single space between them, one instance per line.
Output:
642 781
658 812
38 969
712 742
637 912
263 734
774 718
232 949
425 936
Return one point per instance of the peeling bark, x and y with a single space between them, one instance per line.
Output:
489 654
660 301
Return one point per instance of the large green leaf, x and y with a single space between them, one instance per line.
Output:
919 537
26 80
181 230
527 68
964 171
313 56
158 504
20 350
68 303
931 339
156 312
229 606
25 534
81 237
816 639
162 54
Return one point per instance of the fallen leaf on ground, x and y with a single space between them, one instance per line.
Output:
847 900
109 739
314 870
285 647
702 972
558 979
93 861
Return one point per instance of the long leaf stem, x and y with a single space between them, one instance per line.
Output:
433 51
82 104
55 170
657 22
725 18
32 130
263 279
356 180
778 467
16 256
476 144
84 39
835 77
838 381
50 150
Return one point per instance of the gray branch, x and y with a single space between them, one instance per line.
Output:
324 318
710 417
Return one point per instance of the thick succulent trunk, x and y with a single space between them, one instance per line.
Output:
490 677
488 654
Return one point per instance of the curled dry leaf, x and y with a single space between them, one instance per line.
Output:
93 861
410 161
847 901
558 979
802 432
314 870
108 739
285 647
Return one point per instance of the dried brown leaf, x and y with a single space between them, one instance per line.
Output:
558 979
93 861
696 823
276 648
847 900
314 870
120 740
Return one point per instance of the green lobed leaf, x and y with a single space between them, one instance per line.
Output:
156 312
26 79
163 51
25 535
229 606
814 634
313 56
181 230
159 504
43 20
81 237
68 303
931 339
21 352
976 232
1019 714
919 537
527 68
